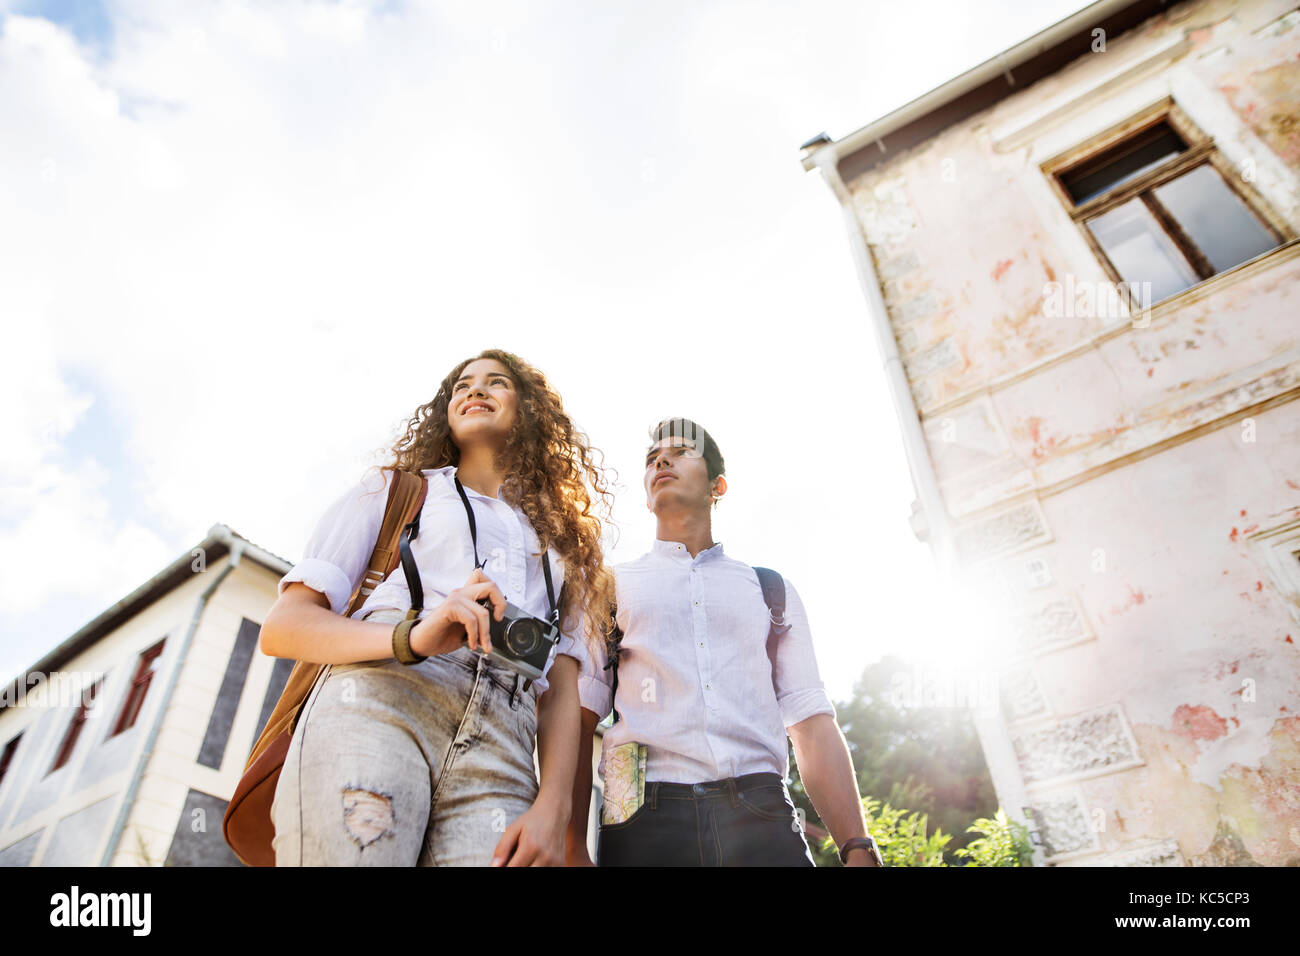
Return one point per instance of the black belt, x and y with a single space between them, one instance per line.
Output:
656 790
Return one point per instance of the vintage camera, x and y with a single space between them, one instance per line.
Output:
520 641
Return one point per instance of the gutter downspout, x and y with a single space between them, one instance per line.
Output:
995 739
939 533
128 801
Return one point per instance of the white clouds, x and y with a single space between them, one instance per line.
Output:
40 408
270 229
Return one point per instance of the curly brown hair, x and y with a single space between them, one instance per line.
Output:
551 476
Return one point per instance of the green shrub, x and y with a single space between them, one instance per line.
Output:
900 834
1004 843
902 839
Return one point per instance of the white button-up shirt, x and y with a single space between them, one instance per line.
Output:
339 551
695 684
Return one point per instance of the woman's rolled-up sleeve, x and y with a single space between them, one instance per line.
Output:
595 692
339 550
593 680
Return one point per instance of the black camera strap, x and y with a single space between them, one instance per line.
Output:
412 572
473 528
473 538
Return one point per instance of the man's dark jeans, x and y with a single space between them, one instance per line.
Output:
745 821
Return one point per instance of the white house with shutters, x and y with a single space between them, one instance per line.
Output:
123 745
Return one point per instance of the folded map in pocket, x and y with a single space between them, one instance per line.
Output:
624 782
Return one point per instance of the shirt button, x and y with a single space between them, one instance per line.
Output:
708 687
701 643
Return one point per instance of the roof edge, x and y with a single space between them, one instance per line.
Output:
218 544
1042 46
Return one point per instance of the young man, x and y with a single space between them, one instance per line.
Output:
696 689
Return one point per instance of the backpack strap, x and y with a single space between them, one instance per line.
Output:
247 824
406 496
405 499
773 586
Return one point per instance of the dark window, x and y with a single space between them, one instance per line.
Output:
279 678
74 729
1119 164
8 757
1158 207
232 687
139 687
204 845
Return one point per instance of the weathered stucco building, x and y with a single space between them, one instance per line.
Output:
1081 260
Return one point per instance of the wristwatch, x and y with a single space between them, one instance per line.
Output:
861 843
402 640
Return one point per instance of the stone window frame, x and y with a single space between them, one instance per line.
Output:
1035 802
1278 549
1052 720
1201 150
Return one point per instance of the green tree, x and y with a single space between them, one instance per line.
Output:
910 751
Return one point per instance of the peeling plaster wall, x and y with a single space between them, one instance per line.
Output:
966 236
1188 634
1111 480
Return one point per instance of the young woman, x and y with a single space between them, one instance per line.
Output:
431 763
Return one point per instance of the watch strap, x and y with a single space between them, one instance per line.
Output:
402 639
861 843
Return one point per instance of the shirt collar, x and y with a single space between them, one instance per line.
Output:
448 476
675 548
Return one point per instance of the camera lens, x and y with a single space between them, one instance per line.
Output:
523 637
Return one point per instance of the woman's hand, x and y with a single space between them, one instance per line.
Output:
536 838
578 857
460 617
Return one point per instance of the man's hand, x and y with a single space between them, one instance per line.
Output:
460 617
575 842
827 773
535 839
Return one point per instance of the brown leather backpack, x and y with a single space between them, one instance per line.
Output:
247 825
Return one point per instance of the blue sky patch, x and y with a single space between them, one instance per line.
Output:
88 20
